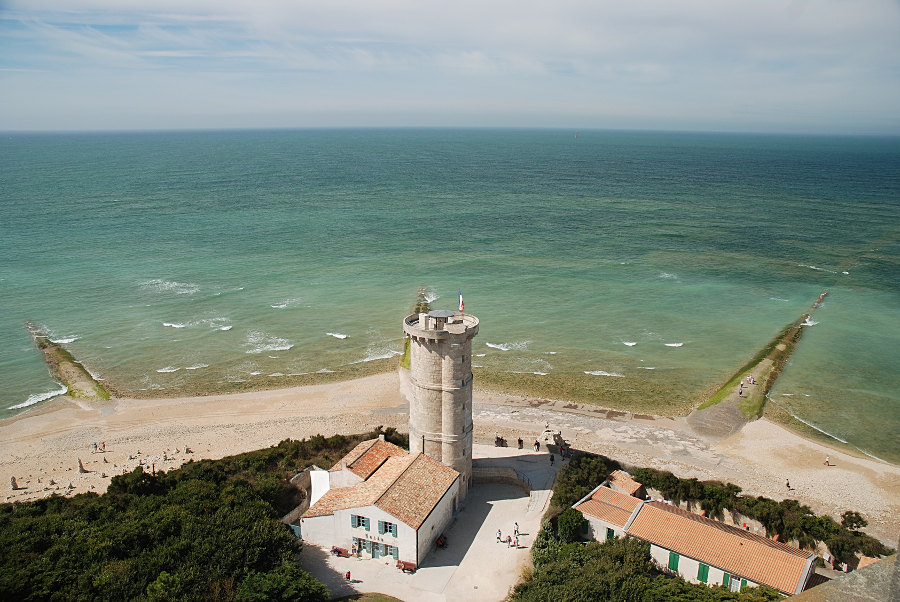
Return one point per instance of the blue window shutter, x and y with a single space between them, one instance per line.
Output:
353 520
381 527
396 553
366 520
394 530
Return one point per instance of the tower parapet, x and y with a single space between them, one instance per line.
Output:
440 411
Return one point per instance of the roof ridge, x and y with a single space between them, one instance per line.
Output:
730 529
373 442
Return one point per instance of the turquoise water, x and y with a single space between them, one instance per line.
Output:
637 265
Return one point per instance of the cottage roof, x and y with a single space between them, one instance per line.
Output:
366 457
734 550
622 481
609 505
406 486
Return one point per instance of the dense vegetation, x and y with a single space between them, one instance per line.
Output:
566 568
207 531
790 520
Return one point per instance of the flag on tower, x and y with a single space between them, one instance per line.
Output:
462 305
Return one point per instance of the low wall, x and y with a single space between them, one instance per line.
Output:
499 474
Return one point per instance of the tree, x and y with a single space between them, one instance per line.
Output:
853 520
569 525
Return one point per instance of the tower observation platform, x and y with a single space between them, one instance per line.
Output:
440 411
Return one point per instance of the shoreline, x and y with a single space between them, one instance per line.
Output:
47 442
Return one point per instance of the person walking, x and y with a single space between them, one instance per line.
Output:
499 536
787 483
516 529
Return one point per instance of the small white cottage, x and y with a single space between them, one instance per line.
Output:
381 501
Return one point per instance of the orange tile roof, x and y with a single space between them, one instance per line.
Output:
366 457
609 505
417 491
623 481
407 486
731 549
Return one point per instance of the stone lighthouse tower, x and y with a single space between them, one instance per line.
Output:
440 408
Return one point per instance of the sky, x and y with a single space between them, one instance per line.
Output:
818 66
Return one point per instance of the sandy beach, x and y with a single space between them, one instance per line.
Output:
41 448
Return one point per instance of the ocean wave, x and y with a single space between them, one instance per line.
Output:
226 327
674 344
197 366
336 335
65 340
808 322
255 373
817 268
629 343
480 354
167 286
39 397
174 325
536 373
431 296
276 374
823 431
260 342
324 371
518 346
668 276
603 373
286 303
777 299
378 355
647 367
168 369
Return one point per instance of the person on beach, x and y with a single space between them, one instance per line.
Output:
827 461
787 483
516 529
347 576
499 536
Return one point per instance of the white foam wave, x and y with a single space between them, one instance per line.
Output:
668 276
604 373
629 343
480 354
518 346
526 372
324 371
777 299
788 394
39 397
808 322
65 341
286 303
336 335
166 286
845 273
431 296
377 356
225 327
174 325
197 366
674 344
647 367
168 369
255 373
824 432
260 342
817 268
276 374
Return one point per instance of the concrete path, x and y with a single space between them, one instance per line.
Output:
473 566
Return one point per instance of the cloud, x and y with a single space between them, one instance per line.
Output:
755 65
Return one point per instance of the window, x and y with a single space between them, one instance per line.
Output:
703 573
386 527
726 580
610 533
359 521
673 561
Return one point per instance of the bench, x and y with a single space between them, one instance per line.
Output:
406 567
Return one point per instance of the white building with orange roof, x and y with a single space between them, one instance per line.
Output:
699 549
381 501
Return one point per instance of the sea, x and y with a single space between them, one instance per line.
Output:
628 269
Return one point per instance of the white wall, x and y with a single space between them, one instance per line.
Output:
688 567
597 528
437 521
404 541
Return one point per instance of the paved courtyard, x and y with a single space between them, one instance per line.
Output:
473 566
